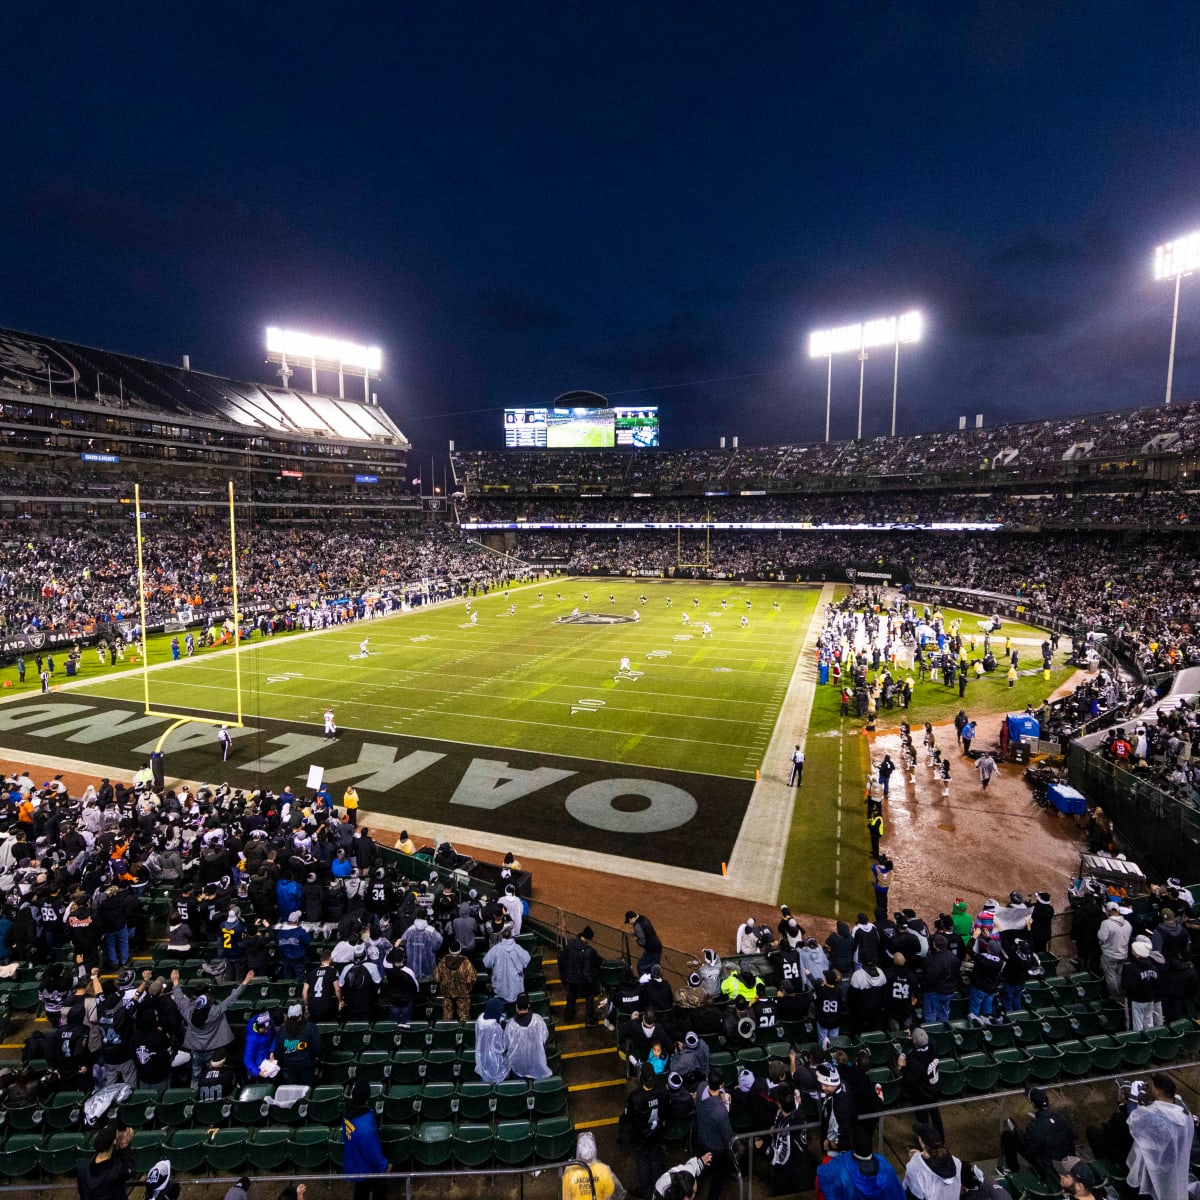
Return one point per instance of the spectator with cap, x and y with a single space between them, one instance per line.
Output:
298 1046
839 1117
656 992
1078 1179
292 940
579 968
1114 937
919 1067
932 1172
363 1151
987 958
1048 1136
1142 980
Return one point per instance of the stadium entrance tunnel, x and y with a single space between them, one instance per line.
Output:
677 818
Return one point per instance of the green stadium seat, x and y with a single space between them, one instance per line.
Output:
227 1150
1076 1057
353 1036
408 1066
1013 1064
549 1096
432 1143
982 1071
1087 987
436 1102
997 1035
290 1105
23 997
1085 1021
1056 1024
308 1148
139 1109
472 1146
335 1147
373 1066
384 1034
514 1143
968 1037
1026 1027
959 1007
1165 1044
514 1099
1045 1062
941 1038
1107 1052
888 1082
1136 1047
1036 993
1189 1031
441 1066
554 1139
1111 1015
339 1066
61 1153
878 1045
755 1059
268 1149
212 1114
952 1079
29 1118
724 1062
400 1103
474 1100
325 1104
417 1035
397 1144
19 1155
445 1035
147 1149
1032 1186
250 1105
187 1150
65 1111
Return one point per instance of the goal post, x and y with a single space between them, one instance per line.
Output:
178 720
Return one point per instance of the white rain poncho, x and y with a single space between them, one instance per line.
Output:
926 1184
525 1047
491 1063
1162 1144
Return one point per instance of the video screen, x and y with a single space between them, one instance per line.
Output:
636 427
525 427
580 429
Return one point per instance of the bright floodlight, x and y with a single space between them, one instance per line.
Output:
885 331
1180 257
325 352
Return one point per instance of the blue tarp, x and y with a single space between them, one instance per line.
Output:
1022 725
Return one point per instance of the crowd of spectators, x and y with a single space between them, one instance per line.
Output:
72 574
1033 448
1143 508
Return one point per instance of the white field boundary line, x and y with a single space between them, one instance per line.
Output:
760 851
567 856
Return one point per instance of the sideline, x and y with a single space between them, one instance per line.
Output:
758 855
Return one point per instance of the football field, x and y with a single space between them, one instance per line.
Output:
530 680
548 715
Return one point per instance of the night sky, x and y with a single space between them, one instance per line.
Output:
516 199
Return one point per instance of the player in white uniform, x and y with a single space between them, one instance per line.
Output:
512 610
539 597
611 598
669 601
685 618
624 668
724 603
330 727
362 648
745 620
474 618
637 616
706 630
775 603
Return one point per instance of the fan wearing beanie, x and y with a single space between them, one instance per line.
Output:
1143 980
363 1154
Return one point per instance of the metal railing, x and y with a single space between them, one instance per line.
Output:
971 1141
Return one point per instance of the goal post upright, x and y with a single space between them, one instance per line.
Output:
177 720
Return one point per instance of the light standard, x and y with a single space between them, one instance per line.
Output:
885 331
1174 260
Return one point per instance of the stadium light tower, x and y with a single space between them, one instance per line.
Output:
884 331
327 354
1174 260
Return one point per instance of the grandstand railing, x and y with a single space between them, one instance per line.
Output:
967 1140
1161 830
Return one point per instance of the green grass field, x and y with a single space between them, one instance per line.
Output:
699 704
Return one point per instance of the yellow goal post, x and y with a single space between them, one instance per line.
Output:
149 711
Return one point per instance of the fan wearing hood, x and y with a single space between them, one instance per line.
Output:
859 1174
206 1028
491 1063
709 970
690 1060
525 1038
933 1173
1142 979
960 915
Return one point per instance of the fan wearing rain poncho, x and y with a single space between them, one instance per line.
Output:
491 1062
525 1038
1162 1134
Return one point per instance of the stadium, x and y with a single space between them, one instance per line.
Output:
594 665
600 603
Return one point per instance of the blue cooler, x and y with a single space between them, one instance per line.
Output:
1066 799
